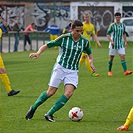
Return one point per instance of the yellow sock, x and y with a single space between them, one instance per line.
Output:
6 82
88 65
129 119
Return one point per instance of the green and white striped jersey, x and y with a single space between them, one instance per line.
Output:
116 32
69 50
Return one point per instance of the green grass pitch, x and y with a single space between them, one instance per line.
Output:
106 101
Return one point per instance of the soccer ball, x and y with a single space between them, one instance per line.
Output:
76 114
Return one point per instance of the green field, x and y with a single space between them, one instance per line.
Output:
105 100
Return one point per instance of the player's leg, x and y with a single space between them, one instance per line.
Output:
51 37
5 79
54 37
55 81
4 76
91 71
110 64
123 62
112 53
121 52
61 101
87 63
41 99
128 122
129 119
70 83
82 59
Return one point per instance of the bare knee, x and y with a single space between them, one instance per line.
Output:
111 58
69 90
51 91
68 94
2 70
122 57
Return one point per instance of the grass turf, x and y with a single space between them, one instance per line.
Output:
105 100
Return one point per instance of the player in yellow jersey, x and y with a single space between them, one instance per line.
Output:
88 31
3 74
128 122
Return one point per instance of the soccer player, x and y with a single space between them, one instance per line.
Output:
71 46
88 31
54 30
3 74
115 34
128 122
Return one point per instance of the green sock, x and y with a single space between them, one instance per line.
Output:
58 104
124 65
42 98
110 63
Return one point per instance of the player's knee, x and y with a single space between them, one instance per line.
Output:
2 70
51 91
122 57
68 94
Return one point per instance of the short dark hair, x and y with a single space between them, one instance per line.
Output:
32 23
117 14
76 23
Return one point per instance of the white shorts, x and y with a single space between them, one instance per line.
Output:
120 51
61 74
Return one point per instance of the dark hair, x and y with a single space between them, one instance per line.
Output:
76 23
32 23
117 14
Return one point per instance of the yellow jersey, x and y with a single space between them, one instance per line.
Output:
88 30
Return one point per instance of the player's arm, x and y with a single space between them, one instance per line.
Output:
95 36
96 39
110 40
109 31
37 54
50 44
90 58
125 40
125 37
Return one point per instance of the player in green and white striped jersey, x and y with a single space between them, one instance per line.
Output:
69 50
71 46
116 35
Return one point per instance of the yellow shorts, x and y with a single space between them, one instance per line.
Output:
1 62
84 55
53 37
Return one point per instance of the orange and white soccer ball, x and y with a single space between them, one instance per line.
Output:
76 114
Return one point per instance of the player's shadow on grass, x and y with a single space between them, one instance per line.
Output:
17 96
15 62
